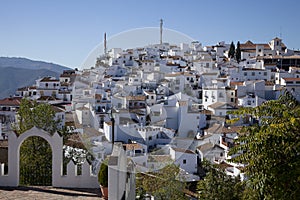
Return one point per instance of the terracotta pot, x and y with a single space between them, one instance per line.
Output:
104 191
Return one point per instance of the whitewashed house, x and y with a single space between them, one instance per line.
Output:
185 159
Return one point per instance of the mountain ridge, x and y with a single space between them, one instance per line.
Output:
20 72
26 63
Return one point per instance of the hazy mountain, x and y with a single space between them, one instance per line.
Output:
21 72
24 63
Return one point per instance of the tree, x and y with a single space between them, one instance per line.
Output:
271 149
231 51
35 152
238 52
218 185
32 114
162 184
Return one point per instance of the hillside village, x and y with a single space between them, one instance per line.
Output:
165 103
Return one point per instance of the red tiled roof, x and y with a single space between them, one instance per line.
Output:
49 79
291 79
14 101
236 83
183 150
136 98
132 146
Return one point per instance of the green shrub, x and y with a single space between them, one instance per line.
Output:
103 174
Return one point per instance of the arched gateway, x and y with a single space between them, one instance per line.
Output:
56 143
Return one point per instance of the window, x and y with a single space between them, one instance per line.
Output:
150 137
232 99
184 161
245 73
265 73
253 73
152 97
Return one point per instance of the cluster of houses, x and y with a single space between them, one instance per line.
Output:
167 103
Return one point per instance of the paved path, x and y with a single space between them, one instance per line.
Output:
47 192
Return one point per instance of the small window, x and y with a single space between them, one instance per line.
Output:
150 137
184 161
245 73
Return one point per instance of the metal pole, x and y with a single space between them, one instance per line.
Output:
113 129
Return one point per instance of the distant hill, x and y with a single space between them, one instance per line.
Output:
24 63
21 72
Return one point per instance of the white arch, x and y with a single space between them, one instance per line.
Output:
14 142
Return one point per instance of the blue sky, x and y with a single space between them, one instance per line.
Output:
65 31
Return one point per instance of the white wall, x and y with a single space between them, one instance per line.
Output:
186 161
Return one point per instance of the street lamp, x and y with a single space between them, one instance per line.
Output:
111 115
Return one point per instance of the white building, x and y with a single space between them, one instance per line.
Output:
185 159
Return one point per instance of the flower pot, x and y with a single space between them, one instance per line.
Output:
104 191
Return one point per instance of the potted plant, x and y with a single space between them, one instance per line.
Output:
103 179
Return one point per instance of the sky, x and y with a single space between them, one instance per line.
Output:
66 31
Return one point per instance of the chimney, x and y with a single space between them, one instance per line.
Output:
105 50
161 30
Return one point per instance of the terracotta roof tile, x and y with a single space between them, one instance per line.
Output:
14 101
